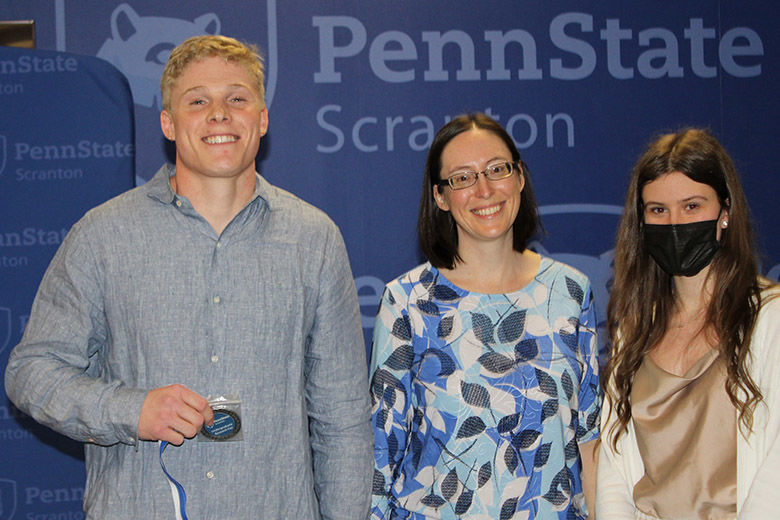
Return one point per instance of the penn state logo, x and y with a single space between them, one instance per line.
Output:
7 499
139 46
5 331
582 236
3 153
141 41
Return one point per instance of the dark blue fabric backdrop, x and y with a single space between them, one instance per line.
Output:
356 90
66 145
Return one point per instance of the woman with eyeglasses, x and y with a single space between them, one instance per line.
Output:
690 423
484 381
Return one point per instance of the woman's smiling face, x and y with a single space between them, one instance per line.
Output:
486 211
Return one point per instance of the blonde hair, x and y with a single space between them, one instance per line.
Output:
200 47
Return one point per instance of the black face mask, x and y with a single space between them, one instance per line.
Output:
682 249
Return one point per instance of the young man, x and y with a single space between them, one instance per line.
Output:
205 281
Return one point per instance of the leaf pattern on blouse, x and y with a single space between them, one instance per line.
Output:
480 401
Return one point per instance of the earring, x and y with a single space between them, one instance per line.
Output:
724 224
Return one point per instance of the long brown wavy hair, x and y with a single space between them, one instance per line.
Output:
642 296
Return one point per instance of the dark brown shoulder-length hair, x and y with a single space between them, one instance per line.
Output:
642 296
436 229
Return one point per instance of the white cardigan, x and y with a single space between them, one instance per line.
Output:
758 454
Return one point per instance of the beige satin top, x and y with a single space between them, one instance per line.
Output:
687 435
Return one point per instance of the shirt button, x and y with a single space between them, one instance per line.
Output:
210 474
178 203
219 244
214 358
216 299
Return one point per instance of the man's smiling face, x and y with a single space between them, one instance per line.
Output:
217 118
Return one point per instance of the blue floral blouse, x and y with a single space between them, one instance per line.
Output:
480 400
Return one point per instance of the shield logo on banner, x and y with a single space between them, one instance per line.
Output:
3 154
598 222
140 44
138 36
5 331
7 499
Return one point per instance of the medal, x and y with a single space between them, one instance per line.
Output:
227 424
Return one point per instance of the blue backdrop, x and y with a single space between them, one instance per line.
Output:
356 91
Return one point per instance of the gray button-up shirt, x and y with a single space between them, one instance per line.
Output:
143 293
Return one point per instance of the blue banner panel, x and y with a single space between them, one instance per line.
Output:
356 91
66 145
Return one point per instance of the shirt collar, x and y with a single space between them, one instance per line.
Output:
159 187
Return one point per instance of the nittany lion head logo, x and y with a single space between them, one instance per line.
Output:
597 266
7 498
140 45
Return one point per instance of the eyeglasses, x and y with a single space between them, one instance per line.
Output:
465 179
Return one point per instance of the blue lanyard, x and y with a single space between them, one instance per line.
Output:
177 490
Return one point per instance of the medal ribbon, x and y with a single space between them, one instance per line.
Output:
177 490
